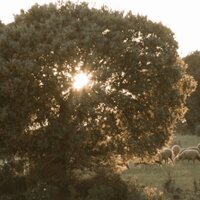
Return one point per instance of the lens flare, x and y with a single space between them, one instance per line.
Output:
81 80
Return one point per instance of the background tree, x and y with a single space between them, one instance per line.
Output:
193 103
138 92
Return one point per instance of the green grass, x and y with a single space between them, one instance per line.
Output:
187 140
183 173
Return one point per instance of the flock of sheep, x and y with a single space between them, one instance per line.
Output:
176 153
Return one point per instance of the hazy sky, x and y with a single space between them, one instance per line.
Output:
181 16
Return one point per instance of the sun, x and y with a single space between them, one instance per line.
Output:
81 80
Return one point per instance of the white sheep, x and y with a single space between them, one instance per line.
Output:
165 154
188 154
194 148
176 149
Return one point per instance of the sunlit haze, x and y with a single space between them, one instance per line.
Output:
81 80
181 16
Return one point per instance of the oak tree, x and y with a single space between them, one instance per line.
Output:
137 93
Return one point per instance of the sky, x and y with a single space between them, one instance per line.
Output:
181 16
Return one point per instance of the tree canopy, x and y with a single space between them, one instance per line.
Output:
138 92
193 103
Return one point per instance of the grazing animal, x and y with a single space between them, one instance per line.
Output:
176 149
188 154
165 154
188 148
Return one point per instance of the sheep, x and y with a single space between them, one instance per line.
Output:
194 148
176 149
188 154
165 154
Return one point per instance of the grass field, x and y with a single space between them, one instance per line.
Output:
187 140
183 173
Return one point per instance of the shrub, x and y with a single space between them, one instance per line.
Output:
105 185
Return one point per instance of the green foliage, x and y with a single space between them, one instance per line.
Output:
193 103
104 185
138 94
11 186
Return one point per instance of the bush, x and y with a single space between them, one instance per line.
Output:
10 183
105 185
